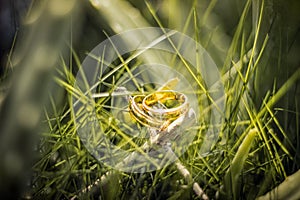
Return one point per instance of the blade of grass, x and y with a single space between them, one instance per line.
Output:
231 178
289 189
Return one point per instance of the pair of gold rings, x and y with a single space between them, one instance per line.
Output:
158 109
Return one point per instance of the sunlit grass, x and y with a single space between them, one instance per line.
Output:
254 152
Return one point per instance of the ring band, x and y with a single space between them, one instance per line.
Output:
166 104
137 112
159 108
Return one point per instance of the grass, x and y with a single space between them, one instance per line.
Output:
258 143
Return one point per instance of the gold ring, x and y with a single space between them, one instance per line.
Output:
137 112
165 104
158 109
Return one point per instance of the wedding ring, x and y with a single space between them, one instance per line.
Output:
165 104
158 109
137 112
